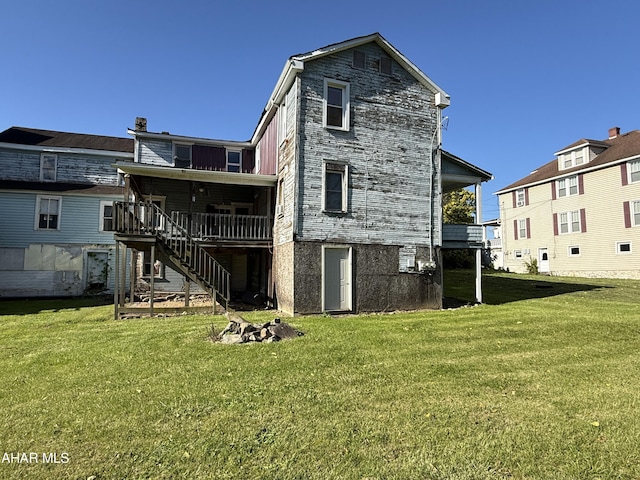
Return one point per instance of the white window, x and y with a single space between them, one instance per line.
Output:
157 268
571 159
359 59
569 222
48 212
335 187
106 216
574 251
282 123
257 165
385 65
520 197
567 186
522 228
336 105
234 161
280 198
623 248
48 167
635 213
517 254
634 171
181 155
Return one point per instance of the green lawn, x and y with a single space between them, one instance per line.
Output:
541 382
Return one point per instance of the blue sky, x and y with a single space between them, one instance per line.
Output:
525 78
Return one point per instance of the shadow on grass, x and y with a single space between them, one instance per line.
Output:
499 288
27 306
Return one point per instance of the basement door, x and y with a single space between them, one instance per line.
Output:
336 279
543 260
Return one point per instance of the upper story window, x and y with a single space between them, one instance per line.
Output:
106 216
181 155
282 122
335 187
569 222
234 161
572 159
520 197
336 105
385 65
567 186
359 59
521 228
634 171
48 212
48 167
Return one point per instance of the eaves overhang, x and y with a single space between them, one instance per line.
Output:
203 176
69 150
188 140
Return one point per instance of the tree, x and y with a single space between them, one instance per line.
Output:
458 206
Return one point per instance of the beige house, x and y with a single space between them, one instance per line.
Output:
578 215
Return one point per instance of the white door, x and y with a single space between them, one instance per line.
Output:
337 279
543 260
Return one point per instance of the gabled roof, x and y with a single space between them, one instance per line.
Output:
295 65
618 149
51 138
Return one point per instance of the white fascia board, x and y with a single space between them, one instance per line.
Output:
286 79
77 151
189 140
565 150
203 176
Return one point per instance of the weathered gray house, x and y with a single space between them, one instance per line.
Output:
56 211
333 205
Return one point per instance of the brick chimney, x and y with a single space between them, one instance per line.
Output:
141 124
614 132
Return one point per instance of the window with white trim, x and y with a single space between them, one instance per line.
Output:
158 268
48 167
335 187
572 159
106 216
522 228
574 251
234 161
282 122
634 171
569 222
336 105
635 213
181 155
517 254
520 197
623 248
567 186
48 212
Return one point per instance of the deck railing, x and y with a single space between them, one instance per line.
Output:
147 219
223 226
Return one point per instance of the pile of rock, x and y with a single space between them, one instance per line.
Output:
240 331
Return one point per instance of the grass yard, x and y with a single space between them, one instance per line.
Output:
540 382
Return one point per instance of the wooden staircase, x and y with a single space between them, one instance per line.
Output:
175 246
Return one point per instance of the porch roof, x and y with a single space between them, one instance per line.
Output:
202 176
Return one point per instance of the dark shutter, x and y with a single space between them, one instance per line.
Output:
248 160
513 197
583 220
526 196
627 214
528 227
580 184
623 174
515 229
555 224
553 190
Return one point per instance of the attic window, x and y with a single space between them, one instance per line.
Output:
572 159
48 167
181 155
359 59
385 65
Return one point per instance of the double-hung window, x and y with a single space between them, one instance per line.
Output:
569 222
336 105
568 186
48 167
48 212
335 187
106 216
634 171
234 161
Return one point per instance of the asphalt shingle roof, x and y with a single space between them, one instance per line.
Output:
623 146
52 138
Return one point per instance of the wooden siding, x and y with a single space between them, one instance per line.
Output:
156 152
269 148
603 205
206 157
71 168
386 148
